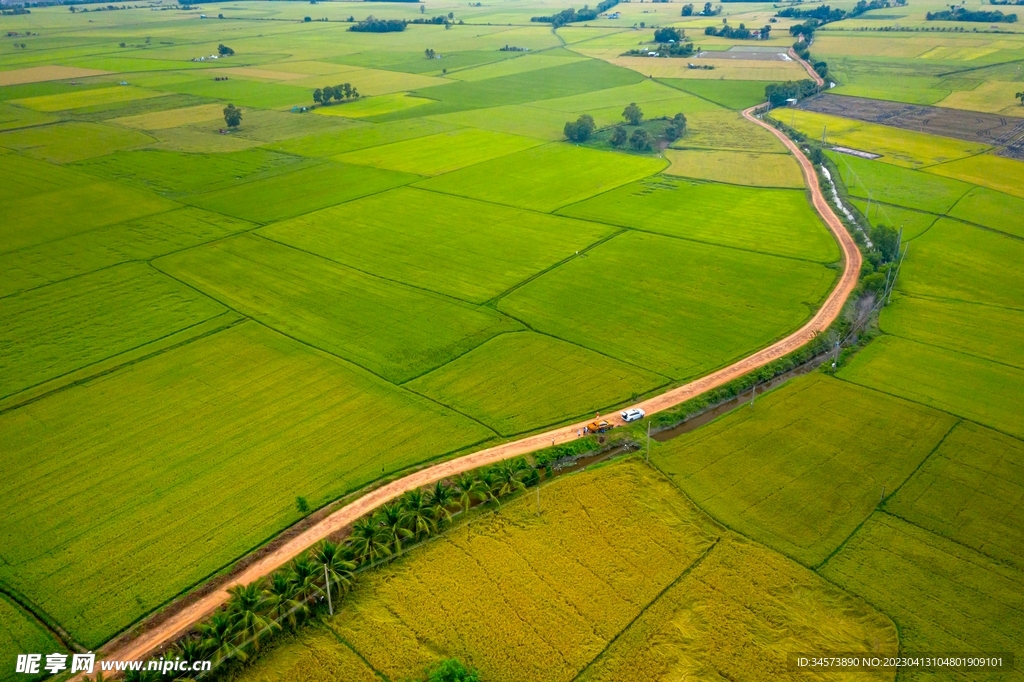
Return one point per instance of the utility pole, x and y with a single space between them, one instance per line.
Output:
327 578
880 499
648 457
538 498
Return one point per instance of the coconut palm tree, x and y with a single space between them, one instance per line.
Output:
247 605
1020 96
142 676
218 638
328 555
470 486
368 541
189 649
392 521
305 576
440 497
417 514
507 477
282 606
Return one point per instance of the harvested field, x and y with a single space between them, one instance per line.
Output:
161 120
963 125
772 471
738 168
38 74
726 130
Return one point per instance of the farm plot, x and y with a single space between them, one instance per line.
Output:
37 74
246 93
516 119
298 192
443 153
86 98
393 330
172 118
726 130
737 168
958 261
140 239
994 97
20 633
965 385
463 248
908 149
315 655
734 617
942 595
724 69
645 93
54 330
552 590
995 172
970 490
177 173
731 94
698 312
508 67
777 222
22 177
272 126
900 186
518 382
15 117
777 473
985 331
44 217
360 136
375 106
545 178
213 440
912 223
66 142
992 209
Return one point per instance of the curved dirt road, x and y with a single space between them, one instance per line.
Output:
180 621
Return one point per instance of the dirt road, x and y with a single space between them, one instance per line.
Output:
179 622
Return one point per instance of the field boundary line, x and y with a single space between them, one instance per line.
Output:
176 622
885 500
40 616
953 350
972 550
678 579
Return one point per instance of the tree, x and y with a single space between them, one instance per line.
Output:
451 15
581 129
232 116
676 127
282 605
224 50
618 136
304 576
429 53
440 498
468 487
452 670
300 502
416 513
392 521
633 114
688 10
1020 96
423 9
368 542
247 607
318 96
886 241
640 140
668 34
328 555
507 477
218 638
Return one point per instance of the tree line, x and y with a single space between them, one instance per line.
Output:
568 16
824 14
373 25
779 93
963 14
706 12
582 129
740 33
338 93
316 582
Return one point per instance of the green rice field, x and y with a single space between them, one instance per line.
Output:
212 331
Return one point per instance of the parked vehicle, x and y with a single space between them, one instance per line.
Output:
632 414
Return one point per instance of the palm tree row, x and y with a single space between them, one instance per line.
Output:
303 589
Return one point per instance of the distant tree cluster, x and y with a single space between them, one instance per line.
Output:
373 25
778 93
338 93
568 16
513 48
825 14
962 14
1006 2
232 116
581 129
224 51
670 44
438 20
452 670
738 33
706 12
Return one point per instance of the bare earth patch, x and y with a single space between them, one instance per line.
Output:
37 74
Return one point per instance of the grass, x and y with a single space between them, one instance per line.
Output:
556 588
209 443
965 385
971 491
442 153
958 261
895 185
533 179
975 329
298 192
731 94
943 596
360 136
43 217
737 168
54 330
20 633
463 248
995 172
716 214
394 330
735 617
905 148
773 473
66 142
518 382
992 209
177 174
685 313
135 240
